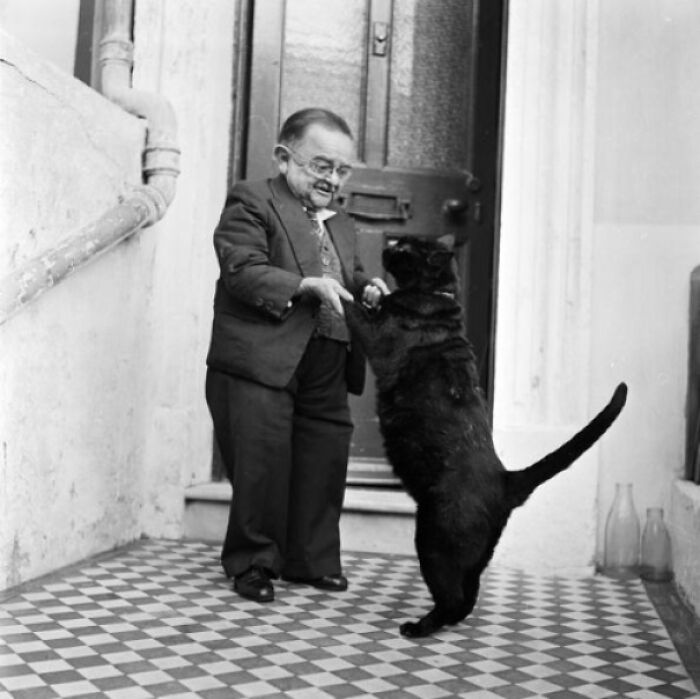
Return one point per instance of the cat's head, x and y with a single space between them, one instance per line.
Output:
421 264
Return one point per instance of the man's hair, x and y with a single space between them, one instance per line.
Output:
295 126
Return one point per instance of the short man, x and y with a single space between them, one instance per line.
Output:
281 361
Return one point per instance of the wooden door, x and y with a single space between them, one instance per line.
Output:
418 81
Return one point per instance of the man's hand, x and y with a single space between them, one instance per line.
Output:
373 292
327 290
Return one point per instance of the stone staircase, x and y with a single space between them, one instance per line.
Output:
377 514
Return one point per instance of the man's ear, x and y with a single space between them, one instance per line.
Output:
281 156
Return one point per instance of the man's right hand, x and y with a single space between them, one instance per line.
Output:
327 290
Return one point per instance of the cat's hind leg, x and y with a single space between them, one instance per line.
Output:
470 593
444 577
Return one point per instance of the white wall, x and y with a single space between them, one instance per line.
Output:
600 232
48 27
646 234
184 51
71 420
103 420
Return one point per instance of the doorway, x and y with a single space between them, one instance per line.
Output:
419 83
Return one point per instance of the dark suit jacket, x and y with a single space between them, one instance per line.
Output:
265 246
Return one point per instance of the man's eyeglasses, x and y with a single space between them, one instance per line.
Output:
320 167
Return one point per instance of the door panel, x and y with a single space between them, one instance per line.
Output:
431 93
323 58
404 74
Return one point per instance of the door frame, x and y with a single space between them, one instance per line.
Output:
240 91
489 86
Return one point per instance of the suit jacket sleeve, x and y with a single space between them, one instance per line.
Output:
245 244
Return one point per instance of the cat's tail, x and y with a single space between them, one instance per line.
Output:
520 484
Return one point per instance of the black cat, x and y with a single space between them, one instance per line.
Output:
436 429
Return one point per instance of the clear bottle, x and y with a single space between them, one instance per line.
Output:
621 558
656 548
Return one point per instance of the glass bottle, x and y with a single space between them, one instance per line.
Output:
621 558
656 548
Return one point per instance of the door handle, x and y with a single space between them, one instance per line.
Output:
455 210
454 207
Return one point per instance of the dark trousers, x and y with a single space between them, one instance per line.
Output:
286 454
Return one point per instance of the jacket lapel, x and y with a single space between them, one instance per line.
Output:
297 227
341 230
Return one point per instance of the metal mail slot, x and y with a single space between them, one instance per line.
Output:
373 206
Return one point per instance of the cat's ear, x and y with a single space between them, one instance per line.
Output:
448 240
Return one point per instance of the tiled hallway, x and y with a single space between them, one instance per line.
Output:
158 619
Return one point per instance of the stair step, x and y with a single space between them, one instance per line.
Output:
374 519
357 499
372 472
372 481
378 501
215 491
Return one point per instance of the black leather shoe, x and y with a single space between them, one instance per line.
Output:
332 583
254 584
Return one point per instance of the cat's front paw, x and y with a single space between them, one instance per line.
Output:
357 316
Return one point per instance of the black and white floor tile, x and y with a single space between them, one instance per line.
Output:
158 619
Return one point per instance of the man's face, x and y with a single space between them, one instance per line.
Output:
317 165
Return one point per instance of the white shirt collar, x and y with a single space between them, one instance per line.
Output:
323 214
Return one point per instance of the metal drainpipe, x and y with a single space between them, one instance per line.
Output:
161 155
141 207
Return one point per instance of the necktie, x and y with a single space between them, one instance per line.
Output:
319 230
316 225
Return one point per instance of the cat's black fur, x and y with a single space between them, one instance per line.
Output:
436 428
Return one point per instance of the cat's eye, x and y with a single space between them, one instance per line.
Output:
439 257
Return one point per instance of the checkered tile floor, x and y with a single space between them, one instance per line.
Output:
158 619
